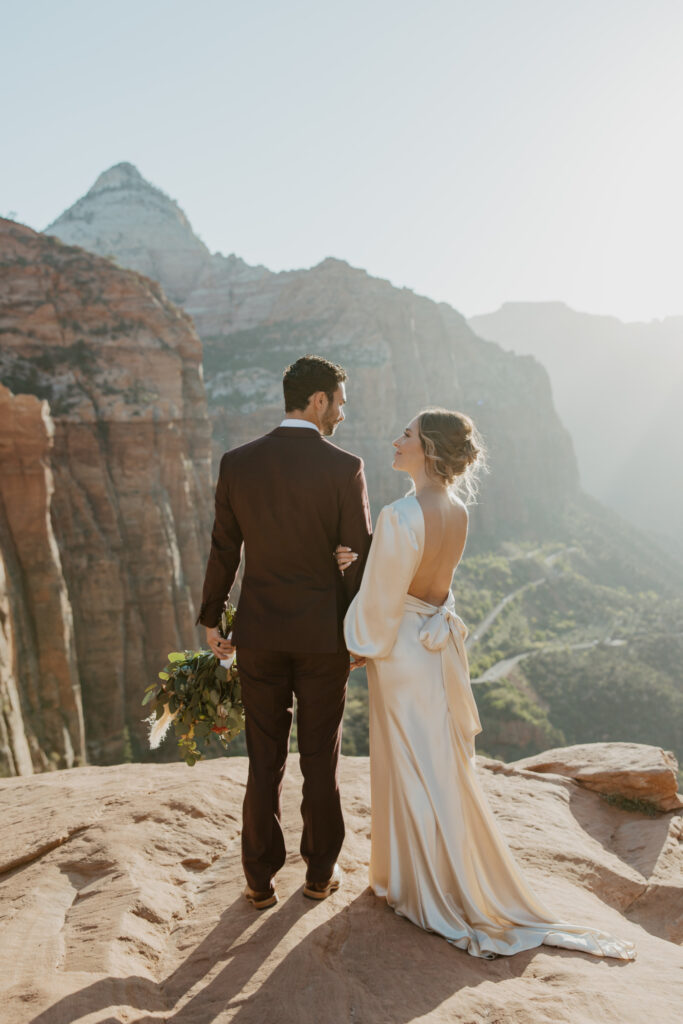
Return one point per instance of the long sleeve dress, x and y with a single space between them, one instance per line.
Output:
437 854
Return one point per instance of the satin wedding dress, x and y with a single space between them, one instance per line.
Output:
437 855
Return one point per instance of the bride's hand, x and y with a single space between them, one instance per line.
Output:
221 647
345 557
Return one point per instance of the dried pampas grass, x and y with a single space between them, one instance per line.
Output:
158 727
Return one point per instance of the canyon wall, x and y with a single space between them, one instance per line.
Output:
41 719
120 367
403 352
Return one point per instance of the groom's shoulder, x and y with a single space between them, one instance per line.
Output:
246 450
346 460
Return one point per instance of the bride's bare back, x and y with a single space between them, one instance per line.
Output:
445 521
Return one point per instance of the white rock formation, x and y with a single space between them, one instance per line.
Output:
125 217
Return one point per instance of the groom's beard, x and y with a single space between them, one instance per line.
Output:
329 425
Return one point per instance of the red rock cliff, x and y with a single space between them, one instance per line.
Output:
121 368
41 720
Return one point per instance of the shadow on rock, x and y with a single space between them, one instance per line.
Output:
223 943
368 964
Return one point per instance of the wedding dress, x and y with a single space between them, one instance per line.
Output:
437 855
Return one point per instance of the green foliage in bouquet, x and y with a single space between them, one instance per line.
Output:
199 697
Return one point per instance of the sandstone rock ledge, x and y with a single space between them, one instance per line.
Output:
635 771
121 901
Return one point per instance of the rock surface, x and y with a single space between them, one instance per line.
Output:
403 352
41 718
636 771
121 901
132 505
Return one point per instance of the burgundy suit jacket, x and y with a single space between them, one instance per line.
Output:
291 496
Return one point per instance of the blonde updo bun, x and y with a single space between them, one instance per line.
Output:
454 450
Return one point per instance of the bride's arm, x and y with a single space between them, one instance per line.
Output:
374 616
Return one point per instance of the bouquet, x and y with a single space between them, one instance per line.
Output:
198 695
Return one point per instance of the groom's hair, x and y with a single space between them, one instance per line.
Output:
308 375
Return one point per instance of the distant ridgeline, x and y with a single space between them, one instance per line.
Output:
617 388
137 430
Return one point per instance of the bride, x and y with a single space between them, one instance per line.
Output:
437 855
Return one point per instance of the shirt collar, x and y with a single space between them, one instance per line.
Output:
299 423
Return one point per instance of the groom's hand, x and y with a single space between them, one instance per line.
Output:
221 647
357 663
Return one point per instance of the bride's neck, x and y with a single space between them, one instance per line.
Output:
423 483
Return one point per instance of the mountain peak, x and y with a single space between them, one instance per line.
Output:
125 217
123 175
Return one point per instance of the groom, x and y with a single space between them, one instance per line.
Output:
290 497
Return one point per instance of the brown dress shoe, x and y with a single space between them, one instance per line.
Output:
321 890
260 900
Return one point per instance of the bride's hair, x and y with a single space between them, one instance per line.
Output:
455 452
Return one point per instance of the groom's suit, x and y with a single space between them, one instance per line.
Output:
290 496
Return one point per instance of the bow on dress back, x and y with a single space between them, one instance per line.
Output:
445 631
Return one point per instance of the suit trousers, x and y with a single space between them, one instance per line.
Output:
270 680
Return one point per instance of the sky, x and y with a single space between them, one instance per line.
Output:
476 151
